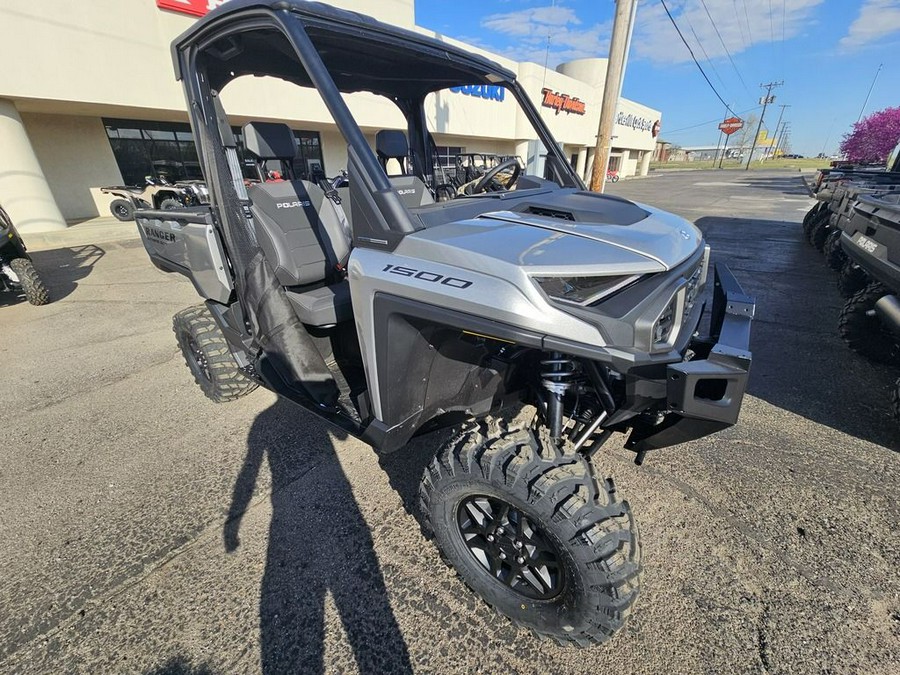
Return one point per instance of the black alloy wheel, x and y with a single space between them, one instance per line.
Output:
208 356
197 358
511 547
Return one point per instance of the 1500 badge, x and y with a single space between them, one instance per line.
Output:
433 277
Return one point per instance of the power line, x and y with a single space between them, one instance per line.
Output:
715 121
691 52
705 55
728 53
740 25
747 19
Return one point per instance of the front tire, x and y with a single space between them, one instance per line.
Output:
208 357
530 530
864 333
122 209
819 234
835 257
32 285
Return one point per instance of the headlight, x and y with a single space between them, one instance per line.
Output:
662 329
582 290
668 325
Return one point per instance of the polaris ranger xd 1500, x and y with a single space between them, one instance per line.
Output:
536 317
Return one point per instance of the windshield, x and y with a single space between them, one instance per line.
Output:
485 142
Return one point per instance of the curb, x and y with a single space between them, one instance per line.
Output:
96 231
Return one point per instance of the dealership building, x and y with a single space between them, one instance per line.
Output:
88 99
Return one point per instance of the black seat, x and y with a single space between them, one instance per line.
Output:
391 144
302 232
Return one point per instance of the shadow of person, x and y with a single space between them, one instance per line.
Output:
319 543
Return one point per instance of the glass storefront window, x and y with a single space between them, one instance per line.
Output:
166 149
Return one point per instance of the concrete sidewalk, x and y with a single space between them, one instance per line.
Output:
94 231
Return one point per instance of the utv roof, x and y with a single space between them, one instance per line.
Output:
361 53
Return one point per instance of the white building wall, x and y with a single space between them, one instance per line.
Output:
111 58
73 152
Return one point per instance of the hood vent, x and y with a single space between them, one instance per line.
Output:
550 213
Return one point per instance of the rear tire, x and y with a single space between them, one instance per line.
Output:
578 574
170 203
208 357
122 209
851 280
864 334
835 257
32 285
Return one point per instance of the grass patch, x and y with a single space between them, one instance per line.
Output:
795 164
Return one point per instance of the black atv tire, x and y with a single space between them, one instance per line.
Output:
819 234
835 257
552 499
170 203
864 334
208 357
815 217
811 214
851 279
32 285
122 209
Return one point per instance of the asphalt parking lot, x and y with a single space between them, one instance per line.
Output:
144 529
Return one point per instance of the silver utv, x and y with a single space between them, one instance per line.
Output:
535 316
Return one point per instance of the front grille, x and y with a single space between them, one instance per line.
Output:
692 291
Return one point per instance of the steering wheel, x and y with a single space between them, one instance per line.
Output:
511 163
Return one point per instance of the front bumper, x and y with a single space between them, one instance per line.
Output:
704 394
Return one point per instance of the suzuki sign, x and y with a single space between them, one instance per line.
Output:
192 7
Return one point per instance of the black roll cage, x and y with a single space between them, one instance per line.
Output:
380 218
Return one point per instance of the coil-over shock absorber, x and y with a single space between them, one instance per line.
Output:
557 375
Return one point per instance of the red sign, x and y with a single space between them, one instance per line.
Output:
731 125
562 102
192 7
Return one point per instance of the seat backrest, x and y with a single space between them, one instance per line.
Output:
270 140
299 231
392 144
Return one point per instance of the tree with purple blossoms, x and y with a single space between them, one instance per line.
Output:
873 138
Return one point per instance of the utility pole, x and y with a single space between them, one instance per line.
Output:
765 100
615 71
779 142
866 102
778 124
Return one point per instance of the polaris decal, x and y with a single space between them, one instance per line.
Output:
159 235
433 277
292 205
867 244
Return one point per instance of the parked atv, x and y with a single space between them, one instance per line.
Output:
17 272
536 318
870 321
156 193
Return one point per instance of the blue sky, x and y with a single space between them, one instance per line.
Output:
825 51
